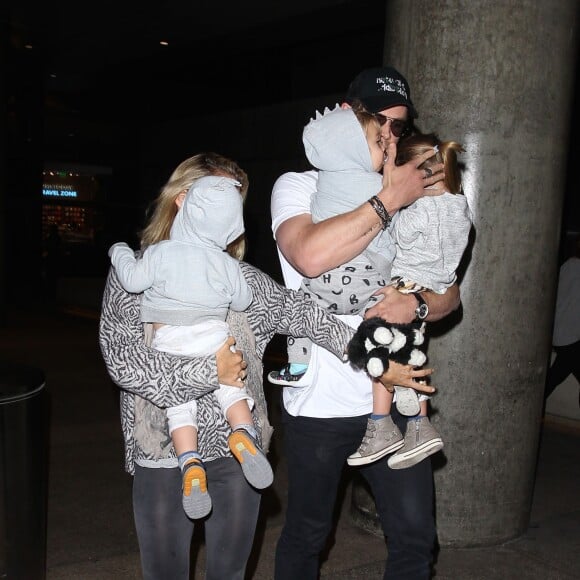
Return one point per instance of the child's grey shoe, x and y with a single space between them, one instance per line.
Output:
196 499
421 440
381 438
255 466
407 401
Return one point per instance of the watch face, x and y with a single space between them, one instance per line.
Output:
422 311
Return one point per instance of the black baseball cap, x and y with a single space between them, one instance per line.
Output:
381 88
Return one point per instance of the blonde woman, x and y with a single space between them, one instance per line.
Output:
151 381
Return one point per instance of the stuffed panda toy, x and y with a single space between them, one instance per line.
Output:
376 342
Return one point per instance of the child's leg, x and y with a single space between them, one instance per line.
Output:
406 399
382 435
421 439
382 399
182 421
184 439
191 340
298 359
239 416
243 442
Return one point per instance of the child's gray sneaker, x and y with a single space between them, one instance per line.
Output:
381 438
407 401
196 500
255 466
421 440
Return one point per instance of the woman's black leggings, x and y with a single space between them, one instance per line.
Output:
164 531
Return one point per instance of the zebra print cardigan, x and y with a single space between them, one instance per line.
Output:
151 381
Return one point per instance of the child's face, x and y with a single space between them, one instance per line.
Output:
376 147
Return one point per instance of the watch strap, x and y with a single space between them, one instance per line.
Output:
422 310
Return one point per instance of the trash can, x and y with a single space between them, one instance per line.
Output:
23 472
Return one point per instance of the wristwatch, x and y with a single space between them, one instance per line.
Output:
422 310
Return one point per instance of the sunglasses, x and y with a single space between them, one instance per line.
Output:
398 126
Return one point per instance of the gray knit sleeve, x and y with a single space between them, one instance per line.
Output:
279 310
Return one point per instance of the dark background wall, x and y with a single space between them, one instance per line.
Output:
98 90
95 88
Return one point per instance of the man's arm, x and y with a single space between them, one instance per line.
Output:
400 308
313 249
279 310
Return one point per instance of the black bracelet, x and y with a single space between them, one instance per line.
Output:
379 208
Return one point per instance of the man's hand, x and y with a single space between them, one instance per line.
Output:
231 366
400 308
404 184
406 376
394 306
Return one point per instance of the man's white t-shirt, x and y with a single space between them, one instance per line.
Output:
330 387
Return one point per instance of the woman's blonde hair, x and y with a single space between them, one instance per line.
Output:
418 143
164 208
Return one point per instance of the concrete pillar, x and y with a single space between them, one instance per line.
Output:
498 77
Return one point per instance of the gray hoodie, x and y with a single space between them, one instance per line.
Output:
190 278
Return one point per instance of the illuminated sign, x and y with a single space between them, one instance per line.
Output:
55 190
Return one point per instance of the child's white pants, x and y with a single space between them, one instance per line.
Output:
197 340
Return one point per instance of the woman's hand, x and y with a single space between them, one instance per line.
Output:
406 376
230 363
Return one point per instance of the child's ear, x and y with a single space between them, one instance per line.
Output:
179 199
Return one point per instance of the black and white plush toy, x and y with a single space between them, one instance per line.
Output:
376 342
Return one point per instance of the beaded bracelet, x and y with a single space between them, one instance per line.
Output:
379 208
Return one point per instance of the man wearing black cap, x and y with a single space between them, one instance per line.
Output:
325 419
380 89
